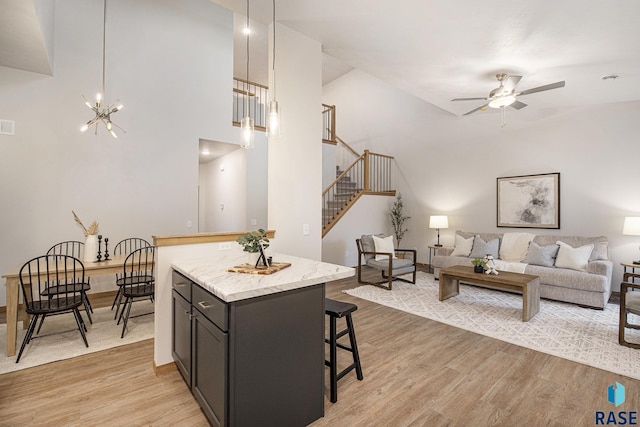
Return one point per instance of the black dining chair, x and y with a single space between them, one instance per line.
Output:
75 249
137 282
125 247
37 277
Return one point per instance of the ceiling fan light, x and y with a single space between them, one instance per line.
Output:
502 101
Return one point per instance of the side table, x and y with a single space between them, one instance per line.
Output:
629 267
432 251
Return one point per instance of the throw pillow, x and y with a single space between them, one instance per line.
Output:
384 245
541 255
482 248
573 258
462 246
514 246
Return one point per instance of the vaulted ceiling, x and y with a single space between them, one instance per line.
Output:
434 49
441 49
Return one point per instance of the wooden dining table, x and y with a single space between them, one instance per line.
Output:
96 268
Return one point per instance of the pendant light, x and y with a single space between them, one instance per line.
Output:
273 126
246 125
103 114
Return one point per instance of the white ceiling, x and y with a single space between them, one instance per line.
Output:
443 49
434 49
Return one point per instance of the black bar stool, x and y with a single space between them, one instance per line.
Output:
337 309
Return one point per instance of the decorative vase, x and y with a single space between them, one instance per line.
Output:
91 248
478 269
252 258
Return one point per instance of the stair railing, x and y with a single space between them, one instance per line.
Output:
250 95
370 173
329 124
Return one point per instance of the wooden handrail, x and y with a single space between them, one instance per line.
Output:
251 83
355 153
342 175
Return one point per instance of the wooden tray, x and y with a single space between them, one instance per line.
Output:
250 269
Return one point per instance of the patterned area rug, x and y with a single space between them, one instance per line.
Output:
101 335
565 330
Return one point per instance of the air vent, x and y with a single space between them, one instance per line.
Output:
7 127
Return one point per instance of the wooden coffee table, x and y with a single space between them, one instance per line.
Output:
526 284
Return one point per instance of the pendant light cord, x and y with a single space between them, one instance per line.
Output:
247 88
273 62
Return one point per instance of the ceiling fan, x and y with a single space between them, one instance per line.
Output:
505 94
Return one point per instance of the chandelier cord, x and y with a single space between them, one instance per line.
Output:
104 37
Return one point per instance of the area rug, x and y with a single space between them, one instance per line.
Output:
102 334
565 330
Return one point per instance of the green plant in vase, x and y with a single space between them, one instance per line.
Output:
479 264
254 243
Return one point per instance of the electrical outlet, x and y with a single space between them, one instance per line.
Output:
305 229
254 221
224 246
189 224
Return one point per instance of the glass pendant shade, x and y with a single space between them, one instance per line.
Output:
274 120
246 126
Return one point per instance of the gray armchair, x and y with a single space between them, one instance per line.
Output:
391 268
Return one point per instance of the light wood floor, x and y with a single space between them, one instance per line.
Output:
416 372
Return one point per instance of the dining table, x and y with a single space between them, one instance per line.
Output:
92 268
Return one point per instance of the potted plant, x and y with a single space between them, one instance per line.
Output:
479 264
398 218
251 243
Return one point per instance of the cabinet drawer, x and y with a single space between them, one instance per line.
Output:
181 285
209 305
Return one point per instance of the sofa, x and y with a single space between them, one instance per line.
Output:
571 269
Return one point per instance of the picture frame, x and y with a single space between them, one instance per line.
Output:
529 201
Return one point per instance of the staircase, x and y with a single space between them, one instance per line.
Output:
369 174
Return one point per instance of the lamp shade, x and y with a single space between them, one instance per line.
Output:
631 226
438 221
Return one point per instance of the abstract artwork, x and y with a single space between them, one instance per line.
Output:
530 201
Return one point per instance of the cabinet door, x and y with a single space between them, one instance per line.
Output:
181 336
210 368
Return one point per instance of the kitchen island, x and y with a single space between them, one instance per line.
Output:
251 346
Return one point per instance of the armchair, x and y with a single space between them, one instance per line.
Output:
390 268
629 303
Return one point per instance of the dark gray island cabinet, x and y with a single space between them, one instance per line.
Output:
256 359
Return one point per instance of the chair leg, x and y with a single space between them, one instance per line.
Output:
126 319
41 322
87 306
27 337
115 299
354 347
333 356
81 325
118 308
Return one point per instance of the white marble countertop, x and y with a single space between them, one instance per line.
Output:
229 287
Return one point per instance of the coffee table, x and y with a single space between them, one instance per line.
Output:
526 284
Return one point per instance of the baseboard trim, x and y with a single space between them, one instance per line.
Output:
164 369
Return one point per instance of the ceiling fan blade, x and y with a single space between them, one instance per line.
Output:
543 88
518 105
476 109
511 82
469 99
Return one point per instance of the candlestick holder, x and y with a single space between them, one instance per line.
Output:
99 257
106 249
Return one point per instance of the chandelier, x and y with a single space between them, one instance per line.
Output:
103 113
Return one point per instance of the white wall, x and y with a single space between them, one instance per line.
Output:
368 216
295 158
223 184
450 164
170 63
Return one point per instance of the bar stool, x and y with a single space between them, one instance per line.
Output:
337 309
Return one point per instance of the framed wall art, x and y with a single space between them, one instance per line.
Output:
529 201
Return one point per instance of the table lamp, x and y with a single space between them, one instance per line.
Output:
441 221
632 228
